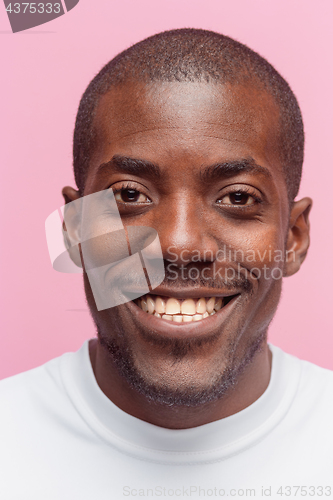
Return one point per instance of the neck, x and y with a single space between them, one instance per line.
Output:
250 385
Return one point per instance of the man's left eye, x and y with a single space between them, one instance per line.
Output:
237 198
131 196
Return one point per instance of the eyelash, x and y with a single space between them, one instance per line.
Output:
243 190
129 185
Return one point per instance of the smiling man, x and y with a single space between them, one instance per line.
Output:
197 137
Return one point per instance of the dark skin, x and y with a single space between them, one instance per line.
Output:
183 128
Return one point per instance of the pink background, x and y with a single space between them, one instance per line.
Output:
44 72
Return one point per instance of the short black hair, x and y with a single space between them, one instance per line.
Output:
190 55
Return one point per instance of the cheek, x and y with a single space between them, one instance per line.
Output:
103 238
106 249
255 244
257 250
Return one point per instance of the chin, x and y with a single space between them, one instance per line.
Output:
189 380
177 364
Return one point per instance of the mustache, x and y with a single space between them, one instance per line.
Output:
241 283
134 281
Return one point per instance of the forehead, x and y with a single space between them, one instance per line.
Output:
186 123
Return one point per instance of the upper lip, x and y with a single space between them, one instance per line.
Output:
194 293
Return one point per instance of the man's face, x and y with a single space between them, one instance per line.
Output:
199 163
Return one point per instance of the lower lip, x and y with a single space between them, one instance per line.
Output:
182 330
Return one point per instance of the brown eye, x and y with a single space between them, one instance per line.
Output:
239 198
129 195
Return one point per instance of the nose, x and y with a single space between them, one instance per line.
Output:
186 233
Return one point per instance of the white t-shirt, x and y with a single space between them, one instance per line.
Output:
61 438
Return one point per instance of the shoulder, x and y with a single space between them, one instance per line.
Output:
32 393
314 395
310 372
316 381
46 374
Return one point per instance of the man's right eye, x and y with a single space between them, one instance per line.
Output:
129 195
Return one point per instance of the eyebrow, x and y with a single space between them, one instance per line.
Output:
232 168
144 168
132 166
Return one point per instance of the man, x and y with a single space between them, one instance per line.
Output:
200 139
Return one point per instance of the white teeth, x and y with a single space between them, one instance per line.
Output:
172 306
178 318
210 305
201 306
144 306
188 307
218 305
179 311
159 305
150 305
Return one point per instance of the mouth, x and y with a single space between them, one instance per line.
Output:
215 312
184 310
195 325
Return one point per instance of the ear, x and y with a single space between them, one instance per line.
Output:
298 239
71 224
